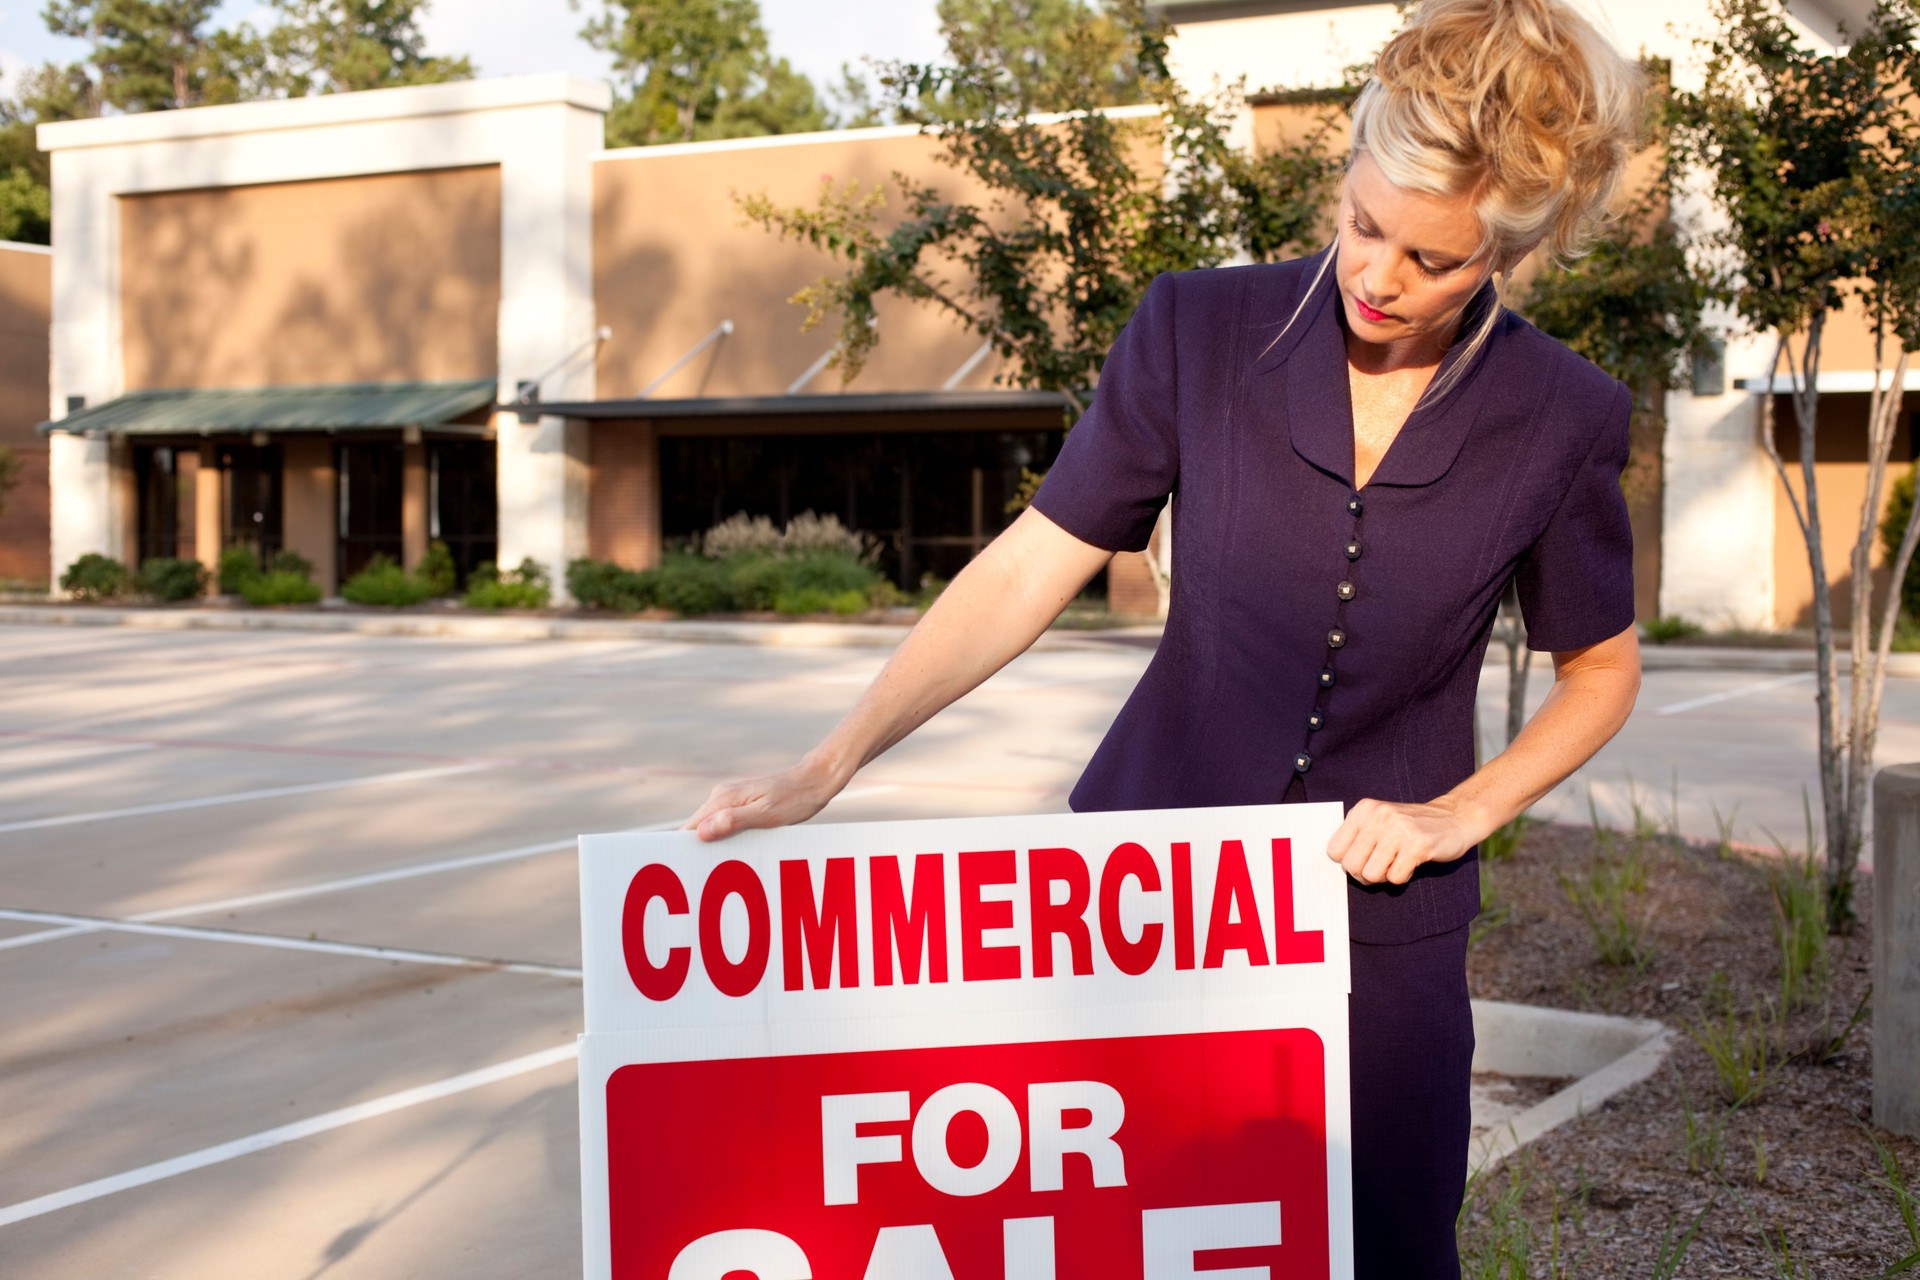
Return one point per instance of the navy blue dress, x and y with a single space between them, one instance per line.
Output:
1325 643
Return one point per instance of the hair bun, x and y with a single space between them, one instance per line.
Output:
1523 103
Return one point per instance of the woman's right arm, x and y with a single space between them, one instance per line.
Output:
996 607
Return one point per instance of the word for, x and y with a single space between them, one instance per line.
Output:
825 923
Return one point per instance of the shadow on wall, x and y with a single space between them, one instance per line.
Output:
389 278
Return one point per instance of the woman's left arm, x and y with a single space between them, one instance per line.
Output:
1592 695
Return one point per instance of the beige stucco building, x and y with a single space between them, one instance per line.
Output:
352 324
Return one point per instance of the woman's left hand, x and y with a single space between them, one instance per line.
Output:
1385 841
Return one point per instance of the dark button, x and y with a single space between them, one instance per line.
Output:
1316 721
1344 591
1353 505
1336 638
1326 677
1302 762
1353 550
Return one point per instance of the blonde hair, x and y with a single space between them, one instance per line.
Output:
1521 103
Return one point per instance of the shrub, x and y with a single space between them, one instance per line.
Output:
689 585
438 570
601 584
523 588
280 586
292 562
1662 630
94 577
165 578
743 534
383 582
237 566
1892 526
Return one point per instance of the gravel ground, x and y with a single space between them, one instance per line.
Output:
1785 1184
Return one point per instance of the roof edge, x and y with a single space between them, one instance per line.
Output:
494 93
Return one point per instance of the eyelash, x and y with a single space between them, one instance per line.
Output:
1429 272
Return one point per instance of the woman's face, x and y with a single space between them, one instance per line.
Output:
1407 262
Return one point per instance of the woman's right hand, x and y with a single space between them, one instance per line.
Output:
775 800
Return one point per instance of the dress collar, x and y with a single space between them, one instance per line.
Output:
1318 404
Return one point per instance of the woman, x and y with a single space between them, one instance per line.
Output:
1363 448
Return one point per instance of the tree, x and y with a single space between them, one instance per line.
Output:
1040 55
1814 160
690 69
339 46
1081 214
150 55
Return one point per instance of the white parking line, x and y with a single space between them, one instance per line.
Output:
1759 686
191 933
389 876
235 797
285 1133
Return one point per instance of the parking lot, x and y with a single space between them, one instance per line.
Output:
289 925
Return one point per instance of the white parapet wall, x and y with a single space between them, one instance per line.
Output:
542 131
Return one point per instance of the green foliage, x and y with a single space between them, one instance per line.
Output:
525 587
1607 899
687 70
1505 841
1893 527
1893 1180
601 584
94 577
1703 1138
690 585
437 569
1633 304
1798 887
383 582
1667 629
26 208
1043 55
9 474
1742 1046
237 567
279 586
339 46
1079 216
165 578
292 562
152 55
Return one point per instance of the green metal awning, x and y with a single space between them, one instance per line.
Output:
358 406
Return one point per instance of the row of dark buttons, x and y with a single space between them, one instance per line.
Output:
1337 637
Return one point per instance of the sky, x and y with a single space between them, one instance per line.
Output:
515 37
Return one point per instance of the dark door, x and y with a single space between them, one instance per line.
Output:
250 498
370 495
157 476
463 508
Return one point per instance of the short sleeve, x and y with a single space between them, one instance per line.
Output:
1122 458
1576 582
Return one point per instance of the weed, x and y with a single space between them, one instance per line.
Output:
1703 1137
1500 1247
1828 1044
1666 1264
1741 1047
1800 929
1724 824
1894 1180
1646 828
1780 1251
1667 628
1494 910
1759 1159
1606 899
1504 842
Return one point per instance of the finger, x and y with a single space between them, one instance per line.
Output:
1355 861
1380 861
1404 866
1343 837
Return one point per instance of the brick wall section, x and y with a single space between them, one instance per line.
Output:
623 494
1130 588
28 514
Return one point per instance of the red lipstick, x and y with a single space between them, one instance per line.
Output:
1368 314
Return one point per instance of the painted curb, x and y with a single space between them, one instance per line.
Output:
1521 1040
